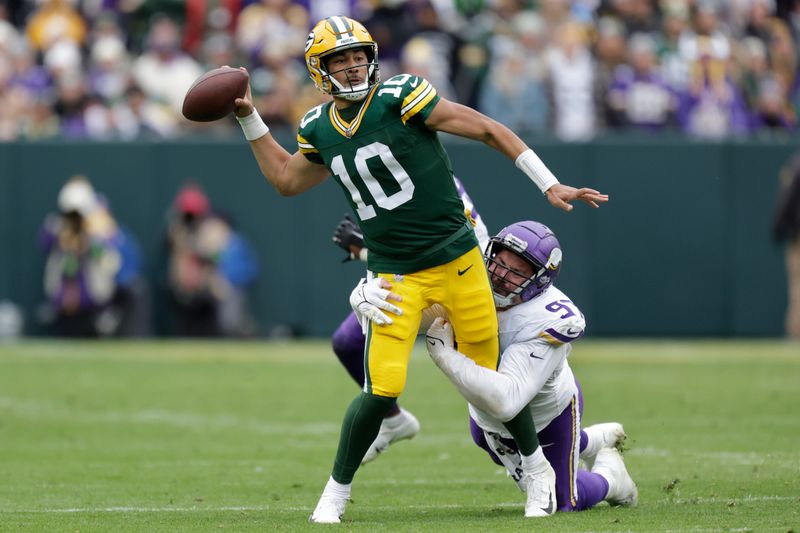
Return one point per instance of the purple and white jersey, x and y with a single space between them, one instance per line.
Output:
535 341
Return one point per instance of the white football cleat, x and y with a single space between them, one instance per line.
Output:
621 488
541 492
329 510
395 428
607 435
330 507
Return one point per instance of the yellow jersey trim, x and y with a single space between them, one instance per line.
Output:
348 129
304 146
417 100
550 339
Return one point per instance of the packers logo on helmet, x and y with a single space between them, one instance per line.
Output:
333 35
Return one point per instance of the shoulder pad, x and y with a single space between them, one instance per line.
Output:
565 330
551 316
413 94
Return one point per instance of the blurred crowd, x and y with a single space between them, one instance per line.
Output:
118 69
94 280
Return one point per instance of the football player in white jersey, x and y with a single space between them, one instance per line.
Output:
537 324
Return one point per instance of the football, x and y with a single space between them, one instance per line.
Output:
211 97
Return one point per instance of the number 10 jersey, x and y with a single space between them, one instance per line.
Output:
395 174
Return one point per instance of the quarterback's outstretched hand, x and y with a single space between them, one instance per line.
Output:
560 196
243 107
369 297
439 339
348 237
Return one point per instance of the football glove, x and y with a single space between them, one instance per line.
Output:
369 297
348 234
440 339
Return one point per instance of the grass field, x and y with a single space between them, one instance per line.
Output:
180 436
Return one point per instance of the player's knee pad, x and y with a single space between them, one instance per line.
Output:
387 380
387 361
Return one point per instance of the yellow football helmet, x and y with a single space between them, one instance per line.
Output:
336 34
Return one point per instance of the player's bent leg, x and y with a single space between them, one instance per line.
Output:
386 362
621 488
359 428
560 441
479 438
599 436
584 438
387 365
348 343
505 452
388 349
400 426
470 308
592 489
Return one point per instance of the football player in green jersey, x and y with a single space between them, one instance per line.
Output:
379 141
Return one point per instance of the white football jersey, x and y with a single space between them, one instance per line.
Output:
535 339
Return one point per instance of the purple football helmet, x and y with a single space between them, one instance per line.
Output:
536 244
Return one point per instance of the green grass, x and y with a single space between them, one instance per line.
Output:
210 436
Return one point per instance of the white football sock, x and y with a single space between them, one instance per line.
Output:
535 461
334 488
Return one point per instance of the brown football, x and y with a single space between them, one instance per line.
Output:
211 96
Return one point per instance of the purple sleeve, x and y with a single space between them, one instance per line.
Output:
459 186
462 193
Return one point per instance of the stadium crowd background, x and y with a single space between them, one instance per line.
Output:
118 69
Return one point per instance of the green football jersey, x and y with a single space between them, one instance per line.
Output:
395 174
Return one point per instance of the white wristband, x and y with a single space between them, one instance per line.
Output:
530 164
362 255
252 126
